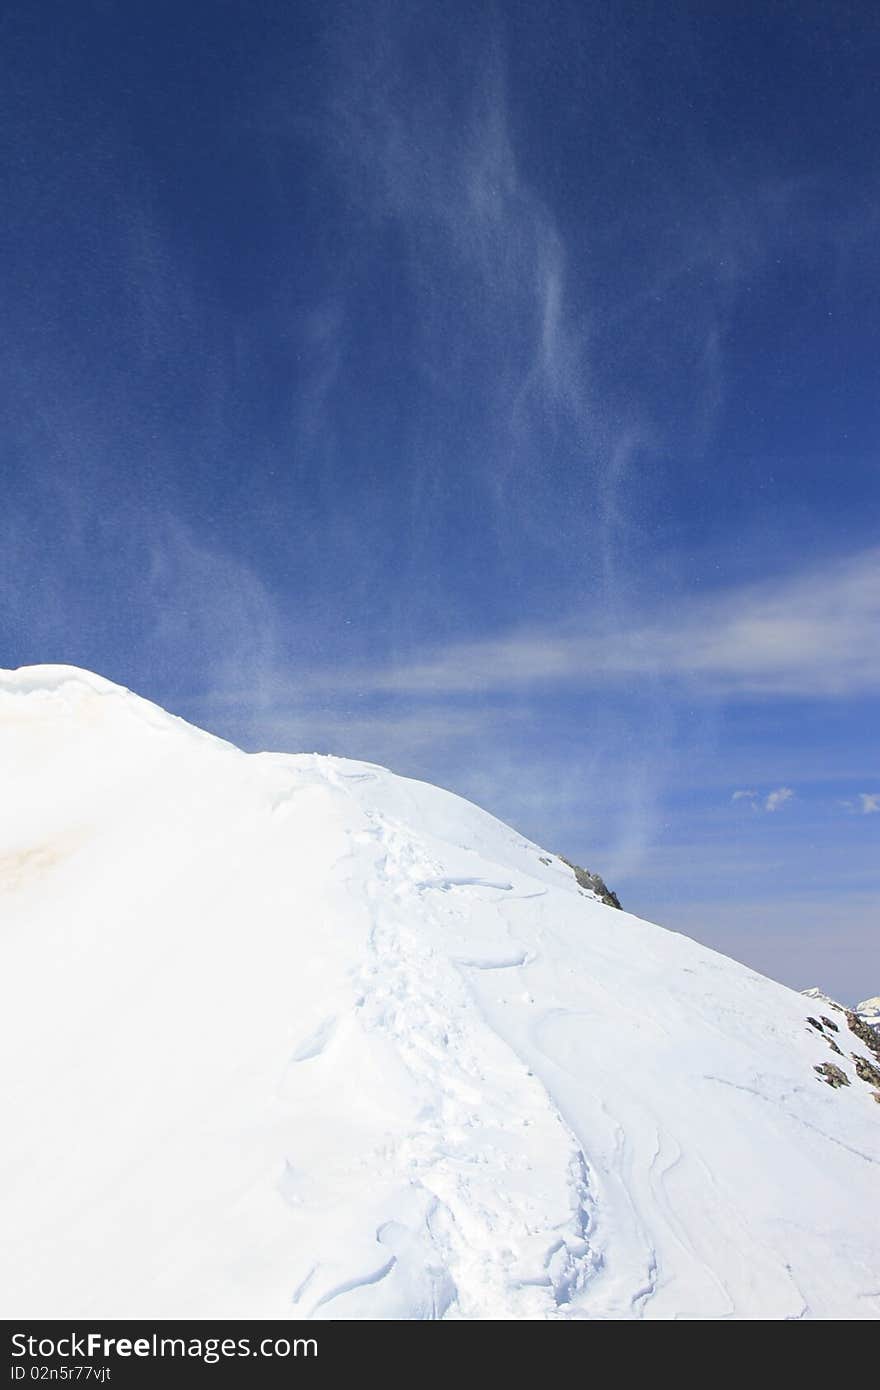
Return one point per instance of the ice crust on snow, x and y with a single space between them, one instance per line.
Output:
289 1035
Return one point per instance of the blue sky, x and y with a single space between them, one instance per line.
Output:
485 390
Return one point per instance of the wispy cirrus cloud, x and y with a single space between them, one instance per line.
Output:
810 634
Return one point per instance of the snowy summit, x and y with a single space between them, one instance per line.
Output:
288 1035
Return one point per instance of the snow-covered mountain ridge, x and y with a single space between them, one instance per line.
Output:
867 1012
289 1035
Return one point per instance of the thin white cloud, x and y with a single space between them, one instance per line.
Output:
809 634
449 177
771 802
778 798
870 803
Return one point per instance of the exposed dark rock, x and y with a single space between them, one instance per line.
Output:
814 1023
832 1075
594 883
864 1032
869 1012
866 1070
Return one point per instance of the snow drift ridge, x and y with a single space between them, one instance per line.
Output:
294 1036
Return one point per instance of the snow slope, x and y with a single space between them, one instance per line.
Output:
293 1036
868 1010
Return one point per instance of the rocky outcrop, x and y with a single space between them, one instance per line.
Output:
869 1012
863 1020
594 883
832 1075
864 1032
866 1070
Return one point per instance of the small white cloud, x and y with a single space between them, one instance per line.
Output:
870 802
778 798
744 796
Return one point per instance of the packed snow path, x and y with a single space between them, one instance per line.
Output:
289 1035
